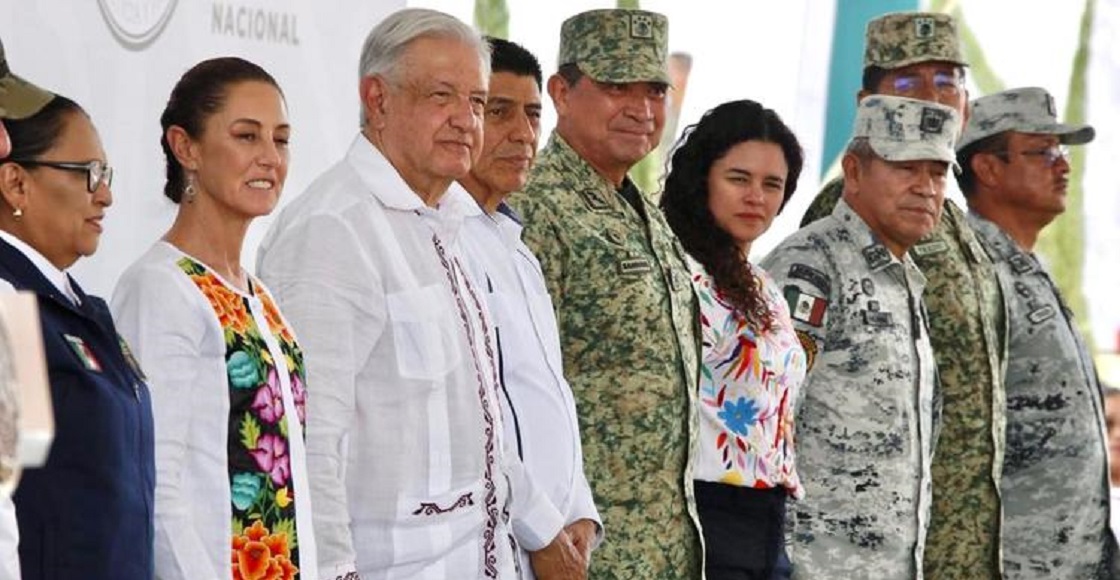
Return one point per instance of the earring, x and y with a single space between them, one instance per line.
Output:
189 191
18 214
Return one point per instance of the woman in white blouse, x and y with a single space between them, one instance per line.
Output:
226 372
731 174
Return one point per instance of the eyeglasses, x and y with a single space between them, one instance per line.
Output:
943 83
97 172
1050 155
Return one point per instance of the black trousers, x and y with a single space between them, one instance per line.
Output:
743 531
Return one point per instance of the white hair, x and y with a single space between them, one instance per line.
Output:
386 43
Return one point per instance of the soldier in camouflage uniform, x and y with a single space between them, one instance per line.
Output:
867 420
916 54
1055 481
624 303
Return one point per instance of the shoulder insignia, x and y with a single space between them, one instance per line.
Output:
930 248
594 200
812 276
805 307
876 255
810 347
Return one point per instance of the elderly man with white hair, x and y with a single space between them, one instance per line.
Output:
409 477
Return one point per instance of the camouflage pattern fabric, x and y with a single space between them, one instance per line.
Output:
617 46
902 129
19 99
968 328
628 329
825 201
1055 479
866 421
1026 110
904 38
968 331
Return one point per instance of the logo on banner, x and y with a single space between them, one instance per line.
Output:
136 23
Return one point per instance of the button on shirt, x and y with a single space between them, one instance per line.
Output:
538 409
865 425
404 443
1055 478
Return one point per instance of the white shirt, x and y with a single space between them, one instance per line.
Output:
57 277
180 344
538 409
404 428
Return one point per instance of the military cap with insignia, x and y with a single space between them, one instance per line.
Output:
19 99
1024 110
617 45
901 39
902 129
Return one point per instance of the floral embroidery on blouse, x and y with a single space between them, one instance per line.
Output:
263 529
748 390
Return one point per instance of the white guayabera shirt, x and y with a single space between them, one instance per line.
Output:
404 438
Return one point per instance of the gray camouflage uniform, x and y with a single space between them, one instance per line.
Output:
1055 479
865 423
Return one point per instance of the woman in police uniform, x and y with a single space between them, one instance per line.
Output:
87 513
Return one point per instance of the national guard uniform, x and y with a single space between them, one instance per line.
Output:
866 423
1055 480
968 329
627 319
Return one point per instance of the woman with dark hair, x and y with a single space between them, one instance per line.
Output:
226 371
87 512
731 173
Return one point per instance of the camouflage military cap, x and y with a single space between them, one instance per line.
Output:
617 46
901 129
19 99
1024 110
899 39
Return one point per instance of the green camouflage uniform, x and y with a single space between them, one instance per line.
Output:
628 321
1055 482
968 329
628 328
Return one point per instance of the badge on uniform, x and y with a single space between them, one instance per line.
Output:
83 352
805 307
809 346
930 248
876 256
641 26
594 200
634 266
130 359
1020 264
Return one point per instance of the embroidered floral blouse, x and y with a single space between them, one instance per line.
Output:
227 379
749 385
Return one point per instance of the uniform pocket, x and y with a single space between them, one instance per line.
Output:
423 335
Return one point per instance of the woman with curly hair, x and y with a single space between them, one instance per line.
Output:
731 173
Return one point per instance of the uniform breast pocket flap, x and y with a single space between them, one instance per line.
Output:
423 332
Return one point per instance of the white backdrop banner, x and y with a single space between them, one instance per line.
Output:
120 58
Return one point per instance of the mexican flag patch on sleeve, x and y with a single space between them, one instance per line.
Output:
805 307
